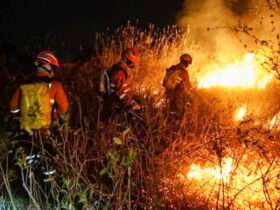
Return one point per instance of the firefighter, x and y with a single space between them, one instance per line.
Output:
177 86
39 103
115 83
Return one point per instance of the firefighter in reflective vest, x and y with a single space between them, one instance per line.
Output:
115 84
39 102
177 86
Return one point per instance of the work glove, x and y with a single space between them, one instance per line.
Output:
64 119
61 121
135 106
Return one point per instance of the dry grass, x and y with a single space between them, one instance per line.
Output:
140 160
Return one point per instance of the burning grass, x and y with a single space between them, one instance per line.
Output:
229 170
246 73
147 159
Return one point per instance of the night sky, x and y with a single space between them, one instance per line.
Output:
76 21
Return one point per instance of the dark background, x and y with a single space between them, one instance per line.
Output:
69 24
76 22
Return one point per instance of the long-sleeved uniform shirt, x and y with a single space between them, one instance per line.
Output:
57 95
120 81
180 92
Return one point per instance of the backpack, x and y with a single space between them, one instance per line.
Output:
36 106
170 79
105 85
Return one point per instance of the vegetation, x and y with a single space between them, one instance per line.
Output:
142 160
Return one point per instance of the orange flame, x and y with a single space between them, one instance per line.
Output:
273 123
223 172
244 182
240 113
246 73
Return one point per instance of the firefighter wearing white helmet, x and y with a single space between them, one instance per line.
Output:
177 85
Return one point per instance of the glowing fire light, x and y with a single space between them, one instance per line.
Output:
243 74
223 172
274 122
240 113
243 182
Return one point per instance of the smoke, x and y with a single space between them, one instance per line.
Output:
210 23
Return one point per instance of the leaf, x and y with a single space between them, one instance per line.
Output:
117 141
83 197
129 159
113 155
103 171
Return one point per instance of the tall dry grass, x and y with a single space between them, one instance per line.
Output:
139 160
